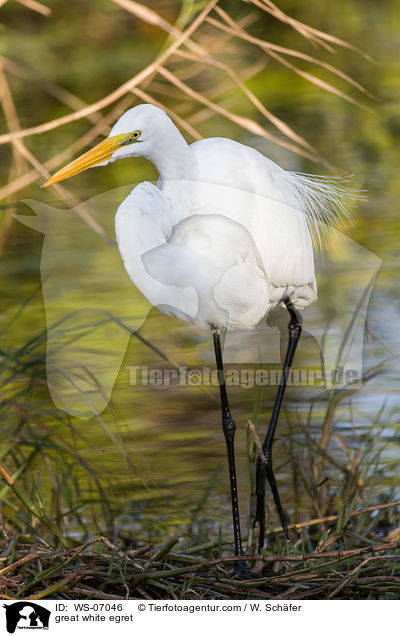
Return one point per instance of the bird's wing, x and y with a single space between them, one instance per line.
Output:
143 225
219 259
237 181
325 202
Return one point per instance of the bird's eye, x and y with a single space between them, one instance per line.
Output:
130 137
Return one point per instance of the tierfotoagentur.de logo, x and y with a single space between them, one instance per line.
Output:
26 615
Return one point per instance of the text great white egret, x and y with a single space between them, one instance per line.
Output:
225 236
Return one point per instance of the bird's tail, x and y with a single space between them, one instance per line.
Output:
326 201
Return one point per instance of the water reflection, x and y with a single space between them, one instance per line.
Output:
157 445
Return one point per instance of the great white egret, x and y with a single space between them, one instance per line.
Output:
225 236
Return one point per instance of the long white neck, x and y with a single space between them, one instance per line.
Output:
171 155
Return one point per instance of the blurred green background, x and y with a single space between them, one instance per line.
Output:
157 453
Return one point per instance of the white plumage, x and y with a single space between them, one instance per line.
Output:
226 233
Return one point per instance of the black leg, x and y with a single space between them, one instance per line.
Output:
229 428
264 469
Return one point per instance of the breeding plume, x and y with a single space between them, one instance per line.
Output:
225 236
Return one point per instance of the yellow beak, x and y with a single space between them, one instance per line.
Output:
103 151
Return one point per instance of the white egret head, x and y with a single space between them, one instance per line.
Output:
143 131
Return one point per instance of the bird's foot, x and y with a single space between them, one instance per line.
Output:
242 572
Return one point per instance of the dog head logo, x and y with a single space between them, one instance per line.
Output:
26 615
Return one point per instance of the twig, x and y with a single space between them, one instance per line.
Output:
313 522
66 154
244 122
58 586
91 592
117 93
35 6
251 428
26 559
